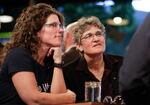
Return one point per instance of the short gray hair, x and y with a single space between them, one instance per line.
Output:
83 24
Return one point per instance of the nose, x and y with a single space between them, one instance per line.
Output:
95 38
61 29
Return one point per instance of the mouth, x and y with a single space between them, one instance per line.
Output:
59 36
97 45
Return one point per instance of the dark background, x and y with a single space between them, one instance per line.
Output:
117 37
14 7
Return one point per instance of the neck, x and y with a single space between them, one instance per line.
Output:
42 53
94 62
96 65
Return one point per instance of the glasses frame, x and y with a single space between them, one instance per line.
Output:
90 36
54 25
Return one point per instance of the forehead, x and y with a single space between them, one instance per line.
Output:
52 18
91 29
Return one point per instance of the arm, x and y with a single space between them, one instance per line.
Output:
58 84
135 72
26 86
25 82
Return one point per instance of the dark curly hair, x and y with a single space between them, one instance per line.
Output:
27 25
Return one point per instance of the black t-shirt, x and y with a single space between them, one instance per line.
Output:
17 60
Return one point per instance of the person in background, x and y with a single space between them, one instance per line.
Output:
31 61
134 74
69 40
93 64
71 54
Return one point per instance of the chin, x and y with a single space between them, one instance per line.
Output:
57 45
99 51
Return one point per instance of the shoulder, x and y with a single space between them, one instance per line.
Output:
18 59
113 58
18 51
113 61
71 56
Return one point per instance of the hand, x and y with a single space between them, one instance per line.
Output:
57 54
71 96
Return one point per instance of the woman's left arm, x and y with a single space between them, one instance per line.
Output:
58 84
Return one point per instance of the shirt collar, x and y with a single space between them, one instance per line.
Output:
109 61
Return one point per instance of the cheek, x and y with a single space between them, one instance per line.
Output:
102 39
103 44
49 33
45 35
86 46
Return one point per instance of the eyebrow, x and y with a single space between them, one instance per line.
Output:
52 23
95 32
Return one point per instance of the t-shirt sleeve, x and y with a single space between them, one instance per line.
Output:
19 59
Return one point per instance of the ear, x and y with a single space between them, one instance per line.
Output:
67 37
79 47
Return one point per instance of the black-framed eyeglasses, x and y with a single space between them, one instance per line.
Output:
90 36
54 25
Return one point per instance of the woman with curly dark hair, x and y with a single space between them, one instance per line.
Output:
31 70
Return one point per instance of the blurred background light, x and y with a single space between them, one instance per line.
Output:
117 21
108 3
105 3
141 5
6 19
